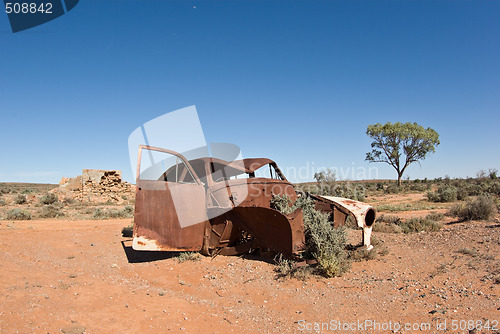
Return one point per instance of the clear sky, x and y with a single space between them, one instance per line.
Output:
295 81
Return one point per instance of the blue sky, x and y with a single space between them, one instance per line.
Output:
295 81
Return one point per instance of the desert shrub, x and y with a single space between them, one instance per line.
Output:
362 254
350 222
419 224
68 201
49 198
392 189
418 186
494 188
283 204
389 219
368 186
18 214
188 256
349 190
126 212
387 224
20 199
481 208
100 214
394 224
286 268
2 202
435 216
323 242
476 187
51 211
380 186
309 188
445 193
128 231
432 196
387 228
462 194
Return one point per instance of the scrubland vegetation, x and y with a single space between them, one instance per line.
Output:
36 201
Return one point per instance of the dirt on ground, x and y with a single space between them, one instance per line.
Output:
83 277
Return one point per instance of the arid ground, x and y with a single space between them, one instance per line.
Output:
82 276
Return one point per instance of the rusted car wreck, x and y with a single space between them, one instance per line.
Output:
219 207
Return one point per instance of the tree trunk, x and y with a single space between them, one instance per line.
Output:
399 180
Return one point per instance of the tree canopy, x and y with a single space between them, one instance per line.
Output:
400 144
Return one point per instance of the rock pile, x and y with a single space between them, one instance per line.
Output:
97 186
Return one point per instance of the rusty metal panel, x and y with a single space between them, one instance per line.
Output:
156 222
259 191
271 229
364 214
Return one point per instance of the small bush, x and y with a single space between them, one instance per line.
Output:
435 216
20 199
51 211
283 204
481 208
126 212
49 198
128 231
444 194
387 224
362 254
392 189
389 219
387 228
420 224
494 188
323 242
417 186
286 268
447 194
19 214
349 190
68 201
394 224
2 202
188 256
350 222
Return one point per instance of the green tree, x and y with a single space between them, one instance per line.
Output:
400 144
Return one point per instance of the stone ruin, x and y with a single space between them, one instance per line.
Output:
97 186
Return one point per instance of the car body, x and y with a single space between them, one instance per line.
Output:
224 207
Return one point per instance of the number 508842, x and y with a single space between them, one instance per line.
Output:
28 8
